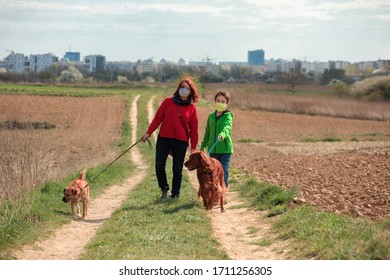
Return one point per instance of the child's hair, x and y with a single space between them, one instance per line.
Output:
224 94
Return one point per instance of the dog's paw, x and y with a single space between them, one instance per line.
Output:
76 217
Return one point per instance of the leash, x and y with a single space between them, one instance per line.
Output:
128 149
208 153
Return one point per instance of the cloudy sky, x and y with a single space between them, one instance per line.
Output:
221 30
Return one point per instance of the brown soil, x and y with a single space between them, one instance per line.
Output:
348 177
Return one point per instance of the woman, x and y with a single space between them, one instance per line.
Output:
217 137
178 117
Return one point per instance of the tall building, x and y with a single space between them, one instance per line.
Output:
256 57
95 63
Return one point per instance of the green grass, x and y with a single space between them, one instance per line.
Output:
39 213
322 235
326 139
246 140
315 234
264 196
146 227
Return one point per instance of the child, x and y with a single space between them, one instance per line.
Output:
218 128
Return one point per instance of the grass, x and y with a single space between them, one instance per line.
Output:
264 196
308 100
315 234
246 140
147 228
322 235
36 214
326 139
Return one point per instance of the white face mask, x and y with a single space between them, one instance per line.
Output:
184 92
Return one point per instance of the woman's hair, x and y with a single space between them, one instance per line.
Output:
224 94
194 91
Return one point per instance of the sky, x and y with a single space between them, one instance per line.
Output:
218 30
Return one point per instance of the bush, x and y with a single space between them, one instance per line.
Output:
340 88
375 88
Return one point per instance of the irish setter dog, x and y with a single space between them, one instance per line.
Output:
210 176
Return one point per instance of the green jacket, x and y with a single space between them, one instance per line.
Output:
218 126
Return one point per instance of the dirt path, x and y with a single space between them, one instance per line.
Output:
63 245
241 231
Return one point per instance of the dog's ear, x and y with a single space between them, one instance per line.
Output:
83 174
74 191
204 159
64 190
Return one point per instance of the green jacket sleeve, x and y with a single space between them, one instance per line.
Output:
227 125
206 135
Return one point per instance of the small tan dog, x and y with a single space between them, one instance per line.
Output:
76 191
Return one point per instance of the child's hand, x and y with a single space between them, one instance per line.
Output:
220 138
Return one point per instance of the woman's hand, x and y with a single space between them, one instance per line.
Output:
145 137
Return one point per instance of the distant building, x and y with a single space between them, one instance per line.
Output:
207 66
95 63
72 56
39 62
227 65
256 57
181 62
145 66
278 65
16 62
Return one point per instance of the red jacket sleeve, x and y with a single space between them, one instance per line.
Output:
158 118
193 125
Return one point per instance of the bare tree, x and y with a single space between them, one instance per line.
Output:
292 78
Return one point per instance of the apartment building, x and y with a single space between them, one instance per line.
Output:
95 63
17 62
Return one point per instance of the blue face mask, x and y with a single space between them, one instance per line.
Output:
183 92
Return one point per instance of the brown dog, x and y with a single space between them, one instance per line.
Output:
210 176
76 191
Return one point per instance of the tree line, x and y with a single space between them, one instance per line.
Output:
72 73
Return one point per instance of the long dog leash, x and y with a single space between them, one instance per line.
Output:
128 149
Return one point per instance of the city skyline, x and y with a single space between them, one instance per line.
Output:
221 30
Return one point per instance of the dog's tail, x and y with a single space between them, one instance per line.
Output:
83 174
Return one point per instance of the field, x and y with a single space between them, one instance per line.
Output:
336 164
84 129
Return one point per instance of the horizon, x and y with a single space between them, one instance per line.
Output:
221 30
